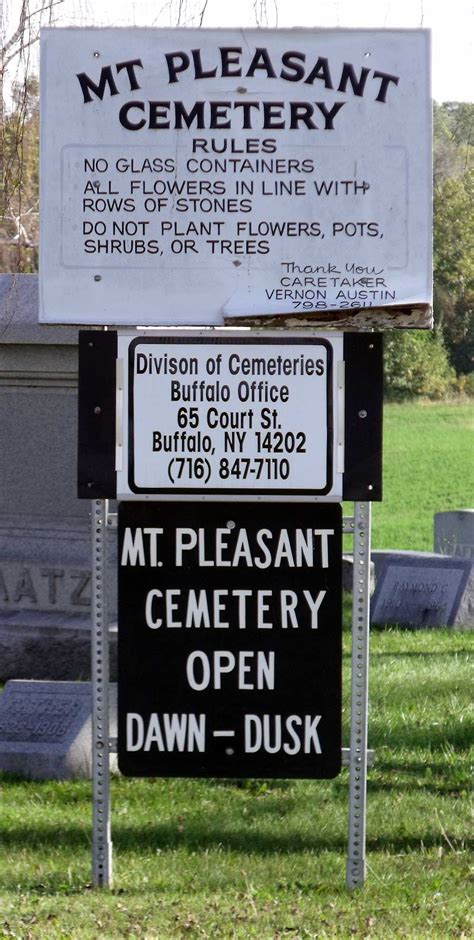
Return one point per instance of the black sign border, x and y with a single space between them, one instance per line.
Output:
96 474
363 416
238 489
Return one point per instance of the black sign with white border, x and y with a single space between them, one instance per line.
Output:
265 416
229 640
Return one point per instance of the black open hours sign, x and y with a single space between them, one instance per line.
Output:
230 640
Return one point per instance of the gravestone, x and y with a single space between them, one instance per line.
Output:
423 590
348 573
45 729
45 540
454 533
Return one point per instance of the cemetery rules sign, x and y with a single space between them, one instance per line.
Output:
229 640
189 176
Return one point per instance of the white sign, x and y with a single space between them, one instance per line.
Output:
192 175
229 416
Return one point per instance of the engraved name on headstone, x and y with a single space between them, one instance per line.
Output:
33 586
45 728
429 591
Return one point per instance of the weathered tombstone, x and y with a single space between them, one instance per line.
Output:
45 729
454 533
348 573
45 542
423 590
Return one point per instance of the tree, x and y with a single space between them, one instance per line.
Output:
447 160
19 137
415 363
19 169
461 121
453 258
453 231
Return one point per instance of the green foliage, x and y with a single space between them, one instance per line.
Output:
458 334
448 159
453 232
419 364
453 139
19 195
466 384
460 119
453 254
415 363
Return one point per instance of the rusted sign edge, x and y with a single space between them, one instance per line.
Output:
404 316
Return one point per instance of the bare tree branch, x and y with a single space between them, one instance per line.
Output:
21 36
202 13
27 18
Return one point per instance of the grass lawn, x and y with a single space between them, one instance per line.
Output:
263 859
428 468
267 860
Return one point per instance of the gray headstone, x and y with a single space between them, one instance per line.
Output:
45 729
348 573
45 539
45 605
423 590
454 533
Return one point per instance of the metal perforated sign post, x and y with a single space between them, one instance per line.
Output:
101 828
356 757
358 754
303 741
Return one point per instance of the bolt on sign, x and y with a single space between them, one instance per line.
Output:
289 417
229 640
258 172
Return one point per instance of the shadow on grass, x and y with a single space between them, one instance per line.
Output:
415 785
406 737
132 841
415 654
205 837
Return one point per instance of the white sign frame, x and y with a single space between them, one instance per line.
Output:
340 222
309 424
